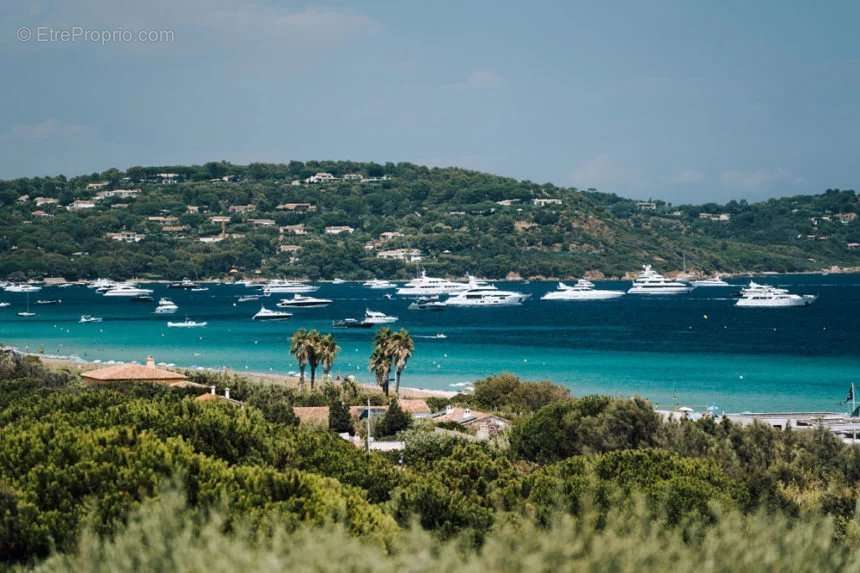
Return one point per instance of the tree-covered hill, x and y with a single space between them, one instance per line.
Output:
369 220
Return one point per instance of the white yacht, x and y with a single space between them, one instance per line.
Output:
187 323
288 287
764 296
100 283
486 295
267 314
429 286
5 304
248 297
300 301
379 284
85 318
376 317
714 281
127 290
650 281
22 288
337 281
166 306
582 290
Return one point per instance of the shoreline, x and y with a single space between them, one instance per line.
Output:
836 270
78 365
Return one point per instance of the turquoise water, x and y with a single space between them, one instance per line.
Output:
696 350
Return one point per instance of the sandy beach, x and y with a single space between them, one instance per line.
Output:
79 365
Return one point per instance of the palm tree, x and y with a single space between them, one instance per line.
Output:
328 352
380 359
380 365
299 349
314 343
400 348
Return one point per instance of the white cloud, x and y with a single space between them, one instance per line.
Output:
759 178
601 171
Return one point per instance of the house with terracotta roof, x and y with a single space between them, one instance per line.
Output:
130 372
418 408
312 415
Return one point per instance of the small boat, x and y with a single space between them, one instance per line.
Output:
427 303
166 306
186 324
439 336
376 317
89 318
338 281
199 289
26 314
5 304
379 284
350 323
288 287
268 314
184 283
248 297
299 301
714 281
143 298
53 301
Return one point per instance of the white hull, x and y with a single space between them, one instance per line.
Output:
23 288
661 290
166 309
710 283
186 324
784 301
128 293
297 289
582 295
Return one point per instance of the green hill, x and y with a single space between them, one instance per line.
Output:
157 222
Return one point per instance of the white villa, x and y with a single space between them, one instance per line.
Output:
338 229
406 255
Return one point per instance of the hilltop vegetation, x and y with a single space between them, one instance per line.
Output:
457 221
145 477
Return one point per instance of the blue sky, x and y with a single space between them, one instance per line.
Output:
685 101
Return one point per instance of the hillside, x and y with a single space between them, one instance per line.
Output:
357 220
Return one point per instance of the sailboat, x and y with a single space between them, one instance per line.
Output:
27 313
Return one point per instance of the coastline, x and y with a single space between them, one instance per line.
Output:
78 365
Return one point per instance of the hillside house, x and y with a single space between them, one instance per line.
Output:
338 230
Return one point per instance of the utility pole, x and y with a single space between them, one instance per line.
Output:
367 438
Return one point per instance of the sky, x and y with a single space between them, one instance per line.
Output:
685 101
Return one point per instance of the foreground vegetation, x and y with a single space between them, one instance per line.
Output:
144 477
460 221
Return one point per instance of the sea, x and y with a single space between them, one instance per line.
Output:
695 350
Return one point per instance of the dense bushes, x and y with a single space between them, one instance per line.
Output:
74 458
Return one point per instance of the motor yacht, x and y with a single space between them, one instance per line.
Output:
714 281
288 287
187 323
26 314
337 281
166 306
268 314
5 304
300 301
49 301
486 296
248 297
128 291
85 318
764 296
650 281
379 284
22 288
376 317
582 290
429 286
101 284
